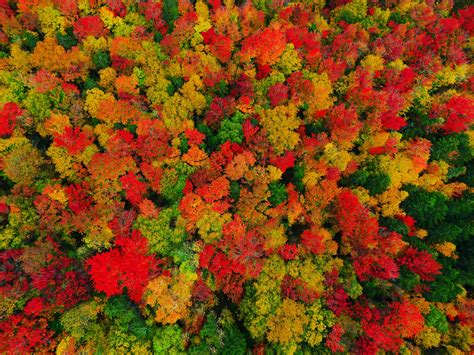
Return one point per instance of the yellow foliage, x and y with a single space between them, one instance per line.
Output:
373 63
172 296
202 11
98 235
400 170
107 77
449 76
389 201
274 173
447 249
336 156
62 161
287 324
19 59
51 21
397 64
103 132
289 60
91 45
22 164
267 297
50 56
274 236
307 271
321 99
127 84
56 193
93 99
56 123
180 107
280 124
210 225
87 154
318 322
428 338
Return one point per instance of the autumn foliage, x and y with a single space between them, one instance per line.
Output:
236 177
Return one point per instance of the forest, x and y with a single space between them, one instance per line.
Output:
236 177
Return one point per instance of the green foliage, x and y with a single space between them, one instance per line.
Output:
444 232
101 60
166 233
234 190
371 179
81 321
231 129
20 227
428 208
407 279
173 182
183 145
28 40
170 13
298 174
278 193
353 12
212 141
38 105
222 89
126 317
446 286
394 225
175 84
437 319
453 149
168 340
67 40
377 183
216 337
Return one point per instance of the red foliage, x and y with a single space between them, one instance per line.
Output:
214 191
385 329
298 290
194 136
8 116
313 242
263 71
392 121
202 292
343 123
265 46
89 26
284 162
153 12
20 334
117 7
134 188
288 251
220 45
333 342
338 301
125 266
305 42
459 112
245 247
218 109
74 140
421 263
300 88
278 94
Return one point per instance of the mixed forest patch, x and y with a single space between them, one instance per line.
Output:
235 177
